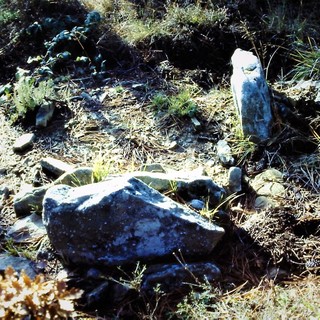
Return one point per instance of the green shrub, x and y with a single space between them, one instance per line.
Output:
27 95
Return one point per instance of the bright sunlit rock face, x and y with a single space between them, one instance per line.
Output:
251 96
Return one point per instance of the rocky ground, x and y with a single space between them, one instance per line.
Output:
111 121
114 124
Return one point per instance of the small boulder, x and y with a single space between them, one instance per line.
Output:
235 179
122 221
224 153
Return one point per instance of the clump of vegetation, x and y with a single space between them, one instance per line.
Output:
24 298
307 62
137 23
28 94
179 105
266 301
100 169
6 13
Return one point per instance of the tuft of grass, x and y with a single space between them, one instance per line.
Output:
193 14
101 169
136 23
307 62
243 148
180 105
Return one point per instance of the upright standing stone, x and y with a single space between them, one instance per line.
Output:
251 96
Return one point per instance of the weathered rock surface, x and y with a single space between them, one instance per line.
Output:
30 199
175 276
251 95
55 166
123 221
18 263
44 114
24 142
269 188
29 229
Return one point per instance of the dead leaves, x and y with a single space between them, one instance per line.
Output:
21 296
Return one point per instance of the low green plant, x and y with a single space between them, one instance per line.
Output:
160 101
307 61
101 169
7 14
20 250
193 14
281 18
182 105
134 280
243 149
27 95
179 105
267 301
136 23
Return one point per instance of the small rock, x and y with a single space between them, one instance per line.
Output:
172 145
263 202
44 114
271 189
97 294
18 264
29 200
224 153
172 277
188 186
154 167
4 193
196 123
28 229
24 142
197 204
269 183
76 177
235 179
55 167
